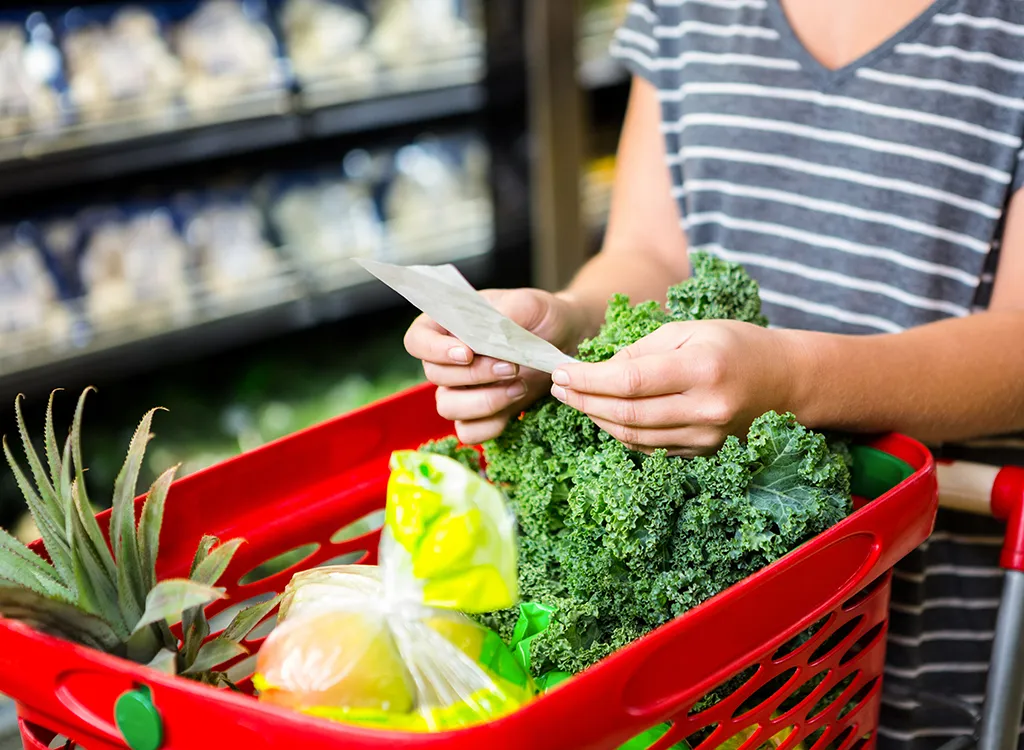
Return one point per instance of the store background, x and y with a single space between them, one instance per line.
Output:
183 185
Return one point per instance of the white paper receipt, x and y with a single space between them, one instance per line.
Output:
444 294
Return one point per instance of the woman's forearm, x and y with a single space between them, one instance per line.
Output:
952 380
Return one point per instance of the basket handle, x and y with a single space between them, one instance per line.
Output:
990 491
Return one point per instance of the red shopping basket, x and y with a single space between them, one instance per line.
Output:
798 647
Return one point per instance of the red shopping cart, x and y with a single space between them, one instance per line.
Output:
793 655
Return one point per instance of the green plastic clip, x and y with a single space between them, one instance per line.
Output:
138 720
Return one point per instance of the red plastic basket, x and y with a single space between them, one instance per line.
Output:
816 618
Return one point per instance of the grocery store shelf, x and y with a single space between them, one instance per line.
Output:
289 303
353 117
601 73
82 156
597 69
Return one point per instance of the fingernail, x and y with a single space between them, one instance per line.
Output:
560 377
558 392
516 390
504 370
459 354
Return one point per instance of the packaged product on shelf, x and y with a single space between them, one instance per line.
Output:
438 197
119 64
326 41
30 67
410 34
235 262
229 52
324 219
134 269
31 310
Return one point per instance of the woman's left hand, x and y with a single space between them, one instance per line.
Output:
687 386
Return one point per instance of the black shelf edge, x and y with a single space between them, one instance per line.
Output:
196 144
419 106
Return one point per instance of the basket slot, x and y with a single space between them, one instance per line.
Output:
802 640
835 640
868 640
724 691
857 700
868 592
804 694
766 693
833 696
676 671
840 740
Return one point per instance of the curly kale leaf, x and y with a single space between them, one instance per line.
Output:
619 542
452 448
718 290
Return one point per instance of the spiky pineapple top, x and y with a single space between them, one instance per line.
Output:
107 596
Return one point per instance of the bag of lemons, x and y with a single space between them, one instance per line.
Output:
389 645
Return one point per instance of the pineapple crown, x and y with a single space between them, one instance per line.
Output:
107 596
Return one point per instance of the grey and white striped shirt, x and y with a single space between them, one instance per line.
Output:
866 199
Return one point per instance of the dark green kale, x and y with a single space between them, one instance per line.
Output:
620 542
452 448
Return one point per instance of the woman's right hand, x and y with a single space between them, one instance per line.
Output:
481 394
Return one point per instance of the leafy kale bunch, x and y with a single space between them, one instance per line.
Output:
619 542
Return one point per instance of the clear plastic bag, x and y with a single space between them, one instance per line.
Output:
227 54
28 99
123 68
30 307
134 268
387 645
326 40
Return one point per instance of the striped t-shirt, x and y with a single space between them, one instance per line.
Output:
863 200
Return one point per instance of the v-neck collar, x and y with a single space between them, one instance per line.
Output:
827 77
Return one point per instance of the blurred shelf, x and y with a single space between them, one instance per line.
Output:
291 301
597 69
86 153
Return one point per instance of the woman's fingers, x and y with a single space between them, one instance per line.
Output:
678 441
655 375
474 432
482 371
481 402
654 412
426 340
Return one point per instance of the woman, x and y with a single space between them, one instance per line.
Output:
862 161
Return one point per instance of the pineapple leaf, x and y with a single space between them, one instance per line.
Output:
150 523
210 570
170 598
165 661
97 592
79 499
55 538
144 644
247 620
206 544
75 440
46 490
123 534
58 619
53 456
66 472
21 566
215 653
198 631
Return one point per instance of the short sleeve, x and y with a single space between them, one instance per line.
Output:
636 44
